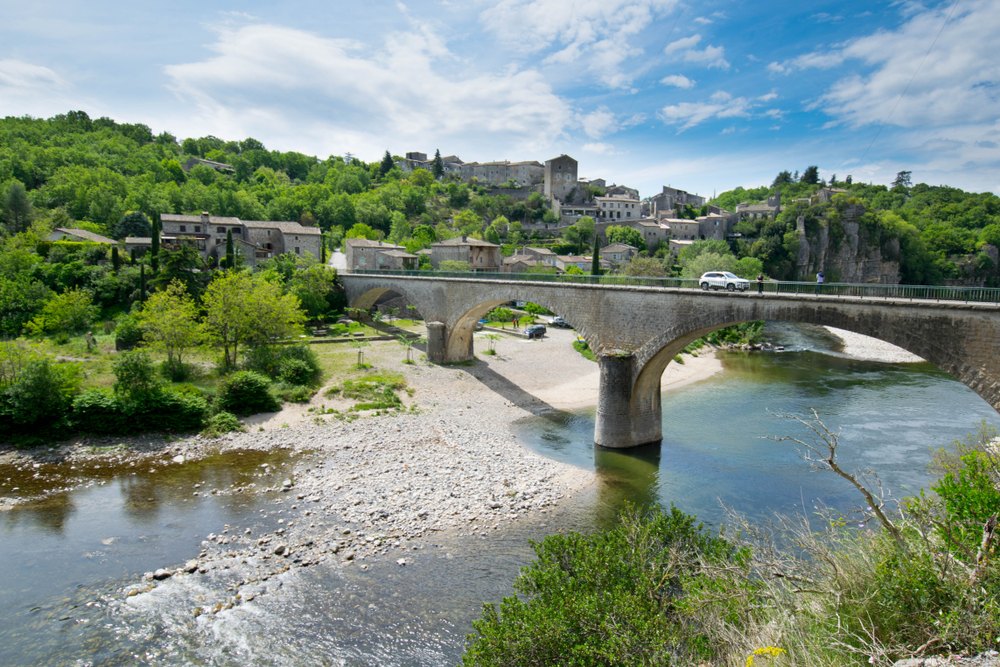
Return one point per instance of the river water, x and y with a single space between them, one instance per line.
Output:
68 554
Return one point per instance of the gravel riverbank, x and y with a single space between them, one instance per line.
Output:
872 349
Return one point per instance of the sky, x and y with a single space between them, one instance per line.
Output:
701 96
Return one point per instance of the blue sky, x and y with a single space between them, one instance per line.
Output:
703 96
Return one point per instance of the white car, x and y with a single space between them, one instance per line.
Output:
723 280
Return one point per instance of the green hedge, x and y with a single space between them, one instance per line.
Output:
246 393
100 412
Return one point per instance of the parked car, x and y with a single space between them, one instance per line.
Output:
723 280
559 322
535 331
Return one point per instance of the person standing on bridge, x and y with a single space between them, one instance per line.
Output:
819 282
760 283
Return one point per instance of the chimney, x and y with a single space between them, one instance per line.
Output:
464 238
204 217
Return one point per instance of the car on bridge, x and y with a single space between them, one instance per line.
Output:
535 331
723 280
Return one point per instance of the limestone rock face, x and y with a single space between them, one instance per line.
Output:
858 257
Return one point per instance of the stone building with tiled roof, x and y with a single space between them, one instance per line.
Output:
68 234
254 240
481 255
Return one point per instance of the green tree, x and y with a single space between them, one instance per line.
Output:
116 261
386 164
17 210
69 312
133 223
783 178
645 266
169 321
142 282
626 235
902 180
182 263
595 262
454 265
136 379
318 289
492 235
810 176
244 309
437 166
400 229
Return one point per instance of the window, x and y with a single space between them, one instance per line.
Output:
183 228
220 230
197 229
297 251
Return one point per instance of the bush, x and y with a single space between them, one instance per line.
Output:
101 412
136 379
221 423
278 362
294 372
128 333
614 598
39 395
535 309
246 393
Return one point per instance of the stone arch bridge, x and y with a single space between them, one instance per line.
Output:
636 331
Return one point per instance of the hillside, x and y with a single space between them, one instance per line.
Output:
936 234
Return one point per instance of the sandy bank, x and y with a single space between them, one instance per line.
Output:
872 349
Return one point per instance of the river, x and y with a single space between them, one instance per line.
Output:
68 554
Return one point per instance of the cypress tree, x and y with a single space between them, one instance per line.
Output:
322 249
437 167
386 164
116 261
154 248
230 252
131 257
595 265
142 282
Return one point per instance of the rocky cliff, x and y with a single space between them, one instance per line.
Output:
846 250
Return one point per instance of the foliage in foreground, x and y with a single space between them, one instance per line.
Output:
625 596
870 587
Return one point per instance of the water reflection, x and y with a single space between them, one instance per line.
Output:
628 475
49 514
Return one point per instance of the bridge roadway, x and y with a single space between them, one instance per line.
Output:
636 331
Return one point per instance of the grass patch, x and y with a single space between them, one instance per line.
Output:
374 392
584 349
679 359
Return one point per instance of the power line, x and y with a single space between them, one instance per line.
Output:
911 81
650 68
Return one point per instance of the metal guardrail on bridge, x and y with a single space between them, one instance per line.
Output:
863 291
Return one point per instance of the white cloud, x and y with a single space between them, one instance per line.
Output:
703 21
278 82
599 123
720 105
823 17
768 97
682 44
956 84
599 148
37 90
599 33
710 56
678 81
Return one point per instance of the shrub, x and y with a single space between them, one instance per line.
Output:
246 393
295 372
279 363
102 412
615 598
39 395
222 423
136 379
69 312
128 333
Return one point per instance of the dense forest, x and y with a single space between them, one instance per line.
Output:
943 233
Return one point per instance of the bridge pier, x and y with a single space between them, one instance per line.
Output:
625 419
437 343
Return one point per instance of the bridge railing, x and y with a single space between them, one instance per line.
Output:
862 290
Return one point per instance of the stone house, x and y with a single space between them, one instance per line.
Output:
395 260
676 245
481 255
673 198
78 235
253 239
652 231
526 173
618 253
579 261
824 195
621 191
543 255
617 207
363 253
560 176
683 229
518 263
771 209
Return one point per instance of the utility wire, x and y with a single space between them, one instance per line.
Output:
650 68
911 81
